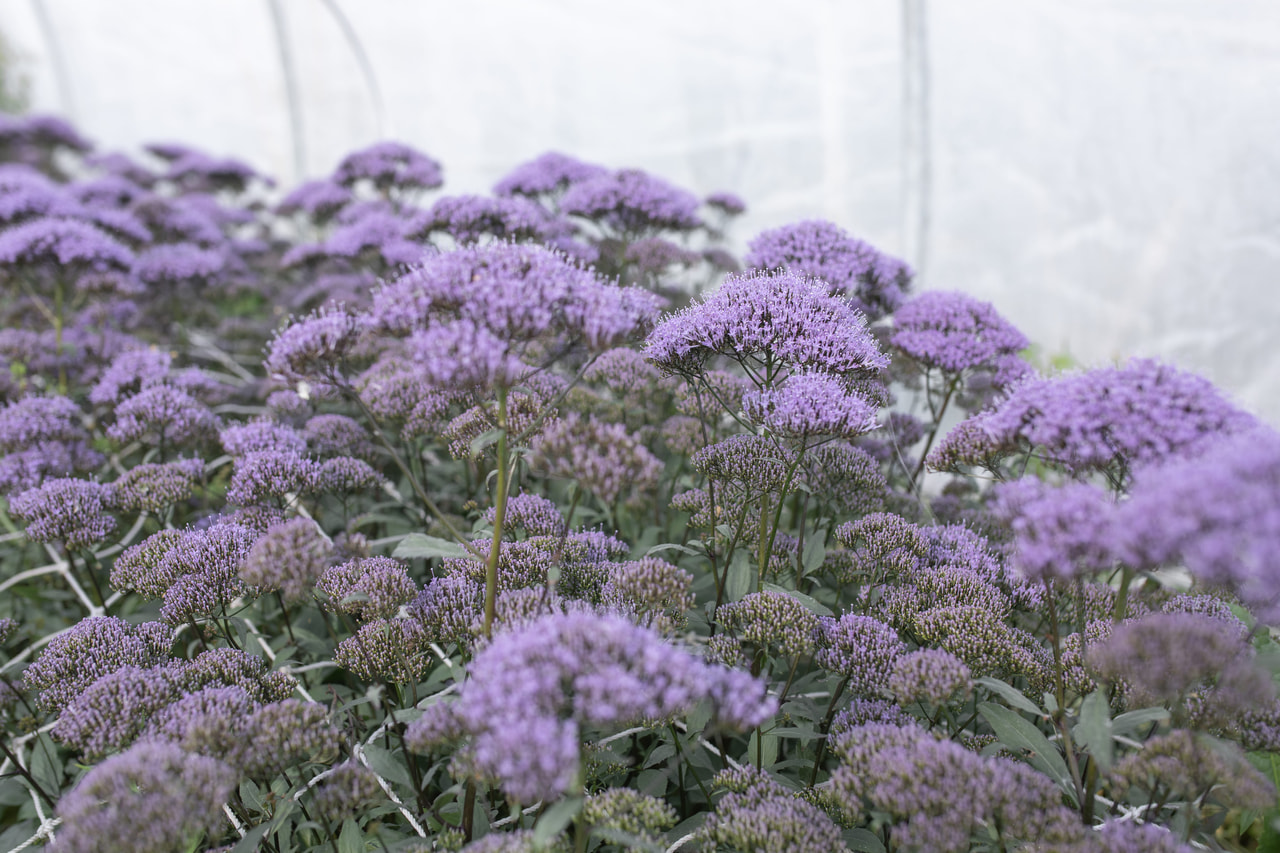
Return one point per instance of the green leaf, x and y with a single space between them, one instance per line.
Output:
555 819
1021 736
421 545
1131 721
768 746
741 576
863 840
385 765
483 440
251 840
1094 729
44 767
352 839
671 546
1010 694
815 551
810 603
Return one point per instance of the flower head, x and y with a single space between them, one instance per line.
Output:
874 281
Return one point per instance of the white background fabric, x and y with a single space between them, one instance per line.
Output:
1105 171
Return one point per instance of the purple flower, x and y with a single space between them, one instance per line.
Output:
531 691
758 318
321 200
60 246
174 264
1108 419
155 795
602 457
93 647
534 514
727 203
1169 658
33 420
447 607
550 173
368 588
152 486
111 713
939 794
1060 532
518 292
860 648
389 165
759 813
632 202
929 675
650 591
337 435
289 558
394 650
807 404
65 510
198 172
771 620
164 415
346 791
1184 765
232 668
1218 515
465 354
653 256
468 218
261 436
129 373
270 474
384 232
313 348
873 281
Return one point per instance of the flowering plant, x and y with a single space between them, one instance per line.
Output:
542 523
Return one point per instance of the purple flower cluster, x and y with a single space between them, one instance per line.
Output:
93 647
940 794
546 175
533 692
368 588
875 282
70 511
765 319
758 813
389 165
1108 419
42 437
155 795
289 558
810 404
632 203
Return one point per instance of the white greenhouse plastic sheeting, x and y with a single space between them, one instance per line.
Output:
1106 172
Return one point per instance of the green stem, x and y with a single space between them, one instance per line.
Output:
499 517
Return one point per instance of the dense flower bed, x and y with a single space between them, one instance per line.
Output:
360 516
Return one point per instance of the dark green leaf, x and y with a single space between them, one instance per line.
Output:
555 819
420 545
1010 694
1131 721
251 840
386 765
1021 736
863 840
483 440
1094 729
352 839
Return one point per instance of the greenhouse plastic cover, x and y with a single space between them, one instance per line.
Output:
1107 172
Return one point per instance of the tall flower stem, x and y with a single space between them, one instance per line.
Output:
499 516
